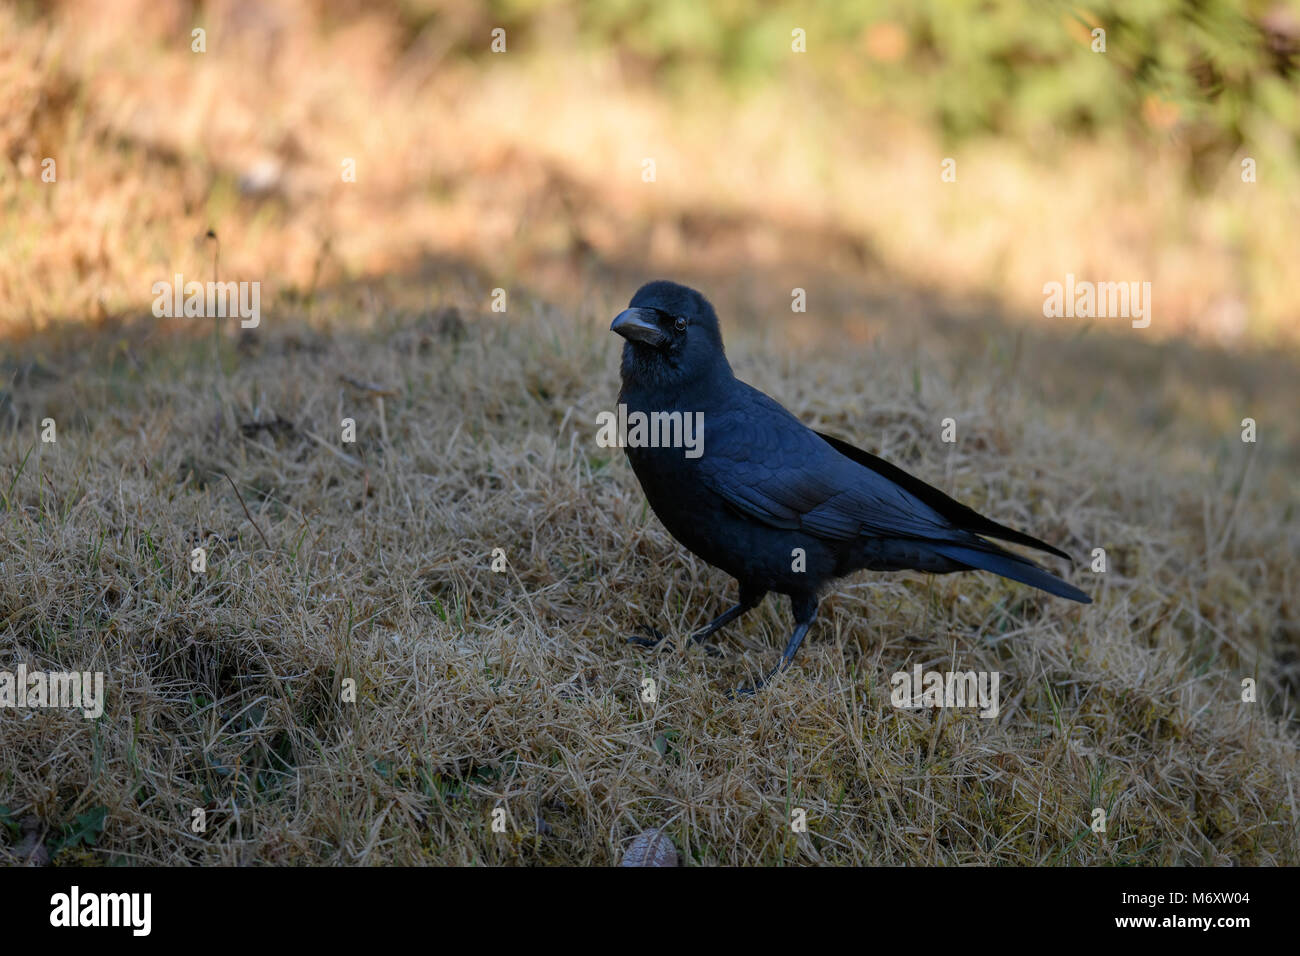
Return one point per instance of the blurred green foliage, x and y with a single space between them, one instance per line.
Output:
1211 74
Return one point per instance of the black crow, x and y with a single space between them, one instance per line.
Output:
763 488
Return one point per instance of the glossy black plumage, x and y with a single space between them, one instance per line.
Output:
765 484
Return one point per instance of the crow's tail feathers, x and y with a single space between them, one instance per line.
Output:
986 556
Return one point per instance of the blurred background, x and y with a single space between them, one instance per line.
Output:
527 164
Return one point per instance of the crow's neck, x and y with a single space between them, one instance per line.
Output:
658 383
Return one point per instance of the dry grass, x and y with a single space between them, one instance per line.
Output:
479 690
372 561
535 158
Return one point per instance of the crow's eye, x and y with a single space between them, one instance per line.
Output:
680 324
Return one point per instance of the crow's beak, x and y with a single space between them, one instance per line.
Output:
639 325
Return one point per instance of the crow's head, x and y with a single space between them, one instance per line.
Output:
672 335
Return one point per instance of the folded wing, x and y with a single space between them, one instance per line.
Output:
769 466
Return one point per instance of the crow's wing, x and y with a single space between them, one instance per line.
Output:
957 514
768 465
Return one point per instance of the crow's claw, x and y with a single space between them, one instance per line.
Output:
758 685
654 639
651 639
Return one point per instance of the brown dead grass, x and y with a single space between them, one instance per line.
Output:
537 156
479 690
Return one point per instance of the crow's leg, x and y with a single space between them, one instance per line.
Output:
749 599
805 612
